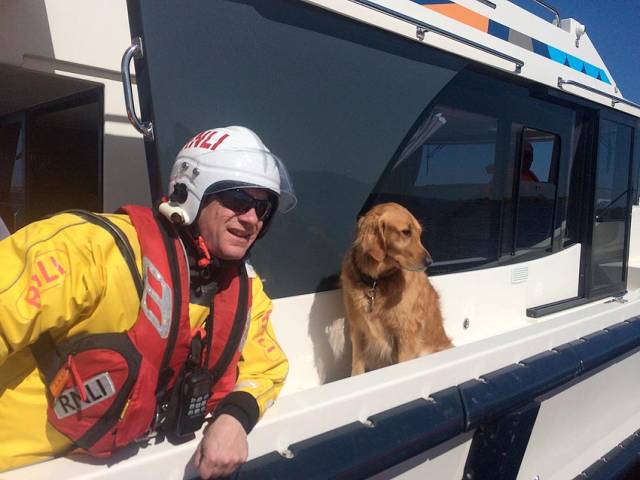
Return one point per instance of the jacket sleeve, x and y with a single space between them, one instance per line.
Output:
49 279
262 367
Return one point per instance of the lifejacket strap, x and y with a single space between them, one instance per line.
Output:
171 248
239 324
47 357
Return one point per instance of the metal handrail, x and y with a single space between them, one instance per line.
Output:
551 8
134 51
488 3
423 27
613 98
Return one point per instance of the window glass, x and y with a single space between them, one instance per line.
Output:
359 116
537 187
332 97
445 175
457 159
582 145
611 208
12 175
541 156
614 143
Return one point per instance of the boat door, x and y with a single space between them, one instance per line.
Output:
606 270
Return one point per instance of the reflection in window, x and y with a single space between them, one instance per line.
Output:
537 189
612 172
445 176
611 207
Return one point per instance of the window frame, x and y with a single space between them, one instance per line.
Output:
587 289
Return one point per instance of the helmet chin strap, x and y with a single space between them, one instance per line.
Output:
201 246
194 242
203 257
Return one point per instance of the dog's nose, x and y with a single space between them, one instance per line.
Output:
428 261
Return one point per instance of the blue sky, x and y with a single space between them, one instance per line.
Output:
614 28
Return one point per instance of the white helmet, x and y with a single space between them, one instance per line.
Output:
223 159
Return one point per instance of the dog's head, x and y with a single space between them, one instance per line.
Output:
390 236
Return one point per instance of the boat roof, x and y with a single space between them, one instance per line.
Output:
500 34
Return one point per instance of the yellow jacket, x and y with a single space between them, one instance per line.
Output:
67 276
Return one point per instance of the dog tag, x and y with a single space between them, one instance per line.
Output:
371 295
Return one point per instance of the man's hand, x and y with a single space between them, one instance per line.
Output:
223 448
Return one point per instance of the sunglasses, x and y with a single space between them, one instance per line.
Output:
241 202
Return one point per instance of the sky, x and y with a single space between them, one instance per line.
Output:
614 29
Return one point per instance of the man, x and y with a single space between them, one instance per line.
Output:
526 174
108 332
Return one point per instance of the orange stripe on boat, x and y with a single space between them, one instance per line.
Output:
462 14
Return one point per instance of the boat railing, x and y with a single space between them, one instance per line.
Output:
551 8
613 98
422 28
487 3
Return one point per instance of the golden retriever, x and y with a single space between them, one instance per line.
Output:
393 311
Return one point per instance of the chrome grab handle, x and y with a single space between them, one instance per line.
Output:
613 98
551 8
423 27
134 51
488 3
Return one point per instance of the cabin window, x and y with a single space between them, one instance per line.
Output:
335 99
614 145
536 190
388 119
483 174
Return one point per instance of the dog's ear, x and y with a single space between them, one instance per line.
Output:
372 239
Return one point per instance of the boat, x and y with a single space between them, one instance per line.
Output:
434 104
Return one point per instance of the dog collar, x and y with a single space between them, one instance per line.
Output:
372 283
366 279
369 281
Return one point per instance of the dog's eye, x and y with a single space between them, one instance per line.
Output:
406 232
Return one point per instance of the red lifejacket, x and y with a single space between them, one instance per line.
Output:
105 387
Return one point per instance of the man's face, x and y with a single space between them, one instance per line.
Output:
228 234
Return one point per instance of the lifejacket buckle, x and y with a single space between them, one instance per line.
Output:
154 429
158 420
147 437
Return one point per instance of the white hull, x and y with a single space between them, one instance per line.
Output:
578 422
